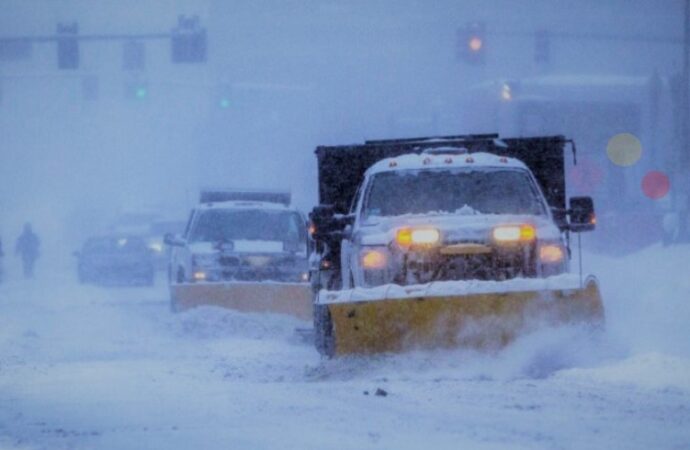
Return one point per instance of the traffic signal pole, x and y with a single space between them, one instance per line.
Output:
187 38
87 37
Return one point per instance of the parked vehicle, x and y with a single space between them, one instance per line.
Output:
115 259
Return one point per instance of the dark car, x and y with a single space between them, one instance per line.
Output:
116 259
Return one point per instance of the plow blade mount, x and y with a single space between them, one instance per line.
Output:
284 298
480 321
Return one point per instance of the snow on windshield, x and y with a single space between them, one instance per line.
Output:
461 191
229 225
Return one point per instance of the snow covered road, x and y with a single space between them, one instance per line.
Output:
84 367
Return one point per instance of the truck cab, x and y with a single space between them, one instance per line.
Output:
449 215
246 238
476 207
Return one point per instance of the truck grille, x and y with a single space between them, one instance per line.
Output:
229 261
498 265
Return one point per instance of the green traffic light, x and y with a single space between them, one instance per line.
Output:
141 92
224 103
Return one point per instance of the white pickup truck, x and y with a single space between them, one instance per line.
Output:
237 251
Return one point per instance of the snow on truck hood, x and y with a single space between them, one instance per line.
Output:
454 227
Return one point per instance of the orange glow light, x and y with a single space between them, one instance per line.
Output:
475 43
417 236
374 259
404 237
527 233
199 276
551 254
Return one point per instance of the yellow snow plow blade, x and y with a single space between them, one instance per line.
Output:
483 321
283 298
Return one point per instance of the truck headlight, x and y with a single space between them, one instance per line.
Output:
374 259
199 275
417 236
376 265
512 234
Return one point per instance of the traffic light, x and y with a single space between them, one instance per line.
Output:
542 46
472 43
188 41
223 96
68 46
133 55
136 90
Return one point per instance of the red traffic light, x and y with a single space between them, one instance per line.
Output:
472 43
475 43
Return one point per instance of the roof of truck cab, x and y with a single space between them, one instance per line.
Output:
240 204
414 161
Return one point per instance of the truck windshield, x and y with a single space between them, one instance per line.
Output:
466 191
215 225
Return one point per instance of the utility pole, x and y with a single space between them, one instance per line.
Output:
682 197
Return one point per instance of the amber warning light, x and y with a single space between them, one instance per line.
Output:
514 233
417 236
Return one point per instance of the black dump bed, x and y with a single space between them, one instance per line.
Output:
342 167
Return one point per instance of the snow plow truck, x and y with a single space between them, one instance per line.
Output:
446 242
244 250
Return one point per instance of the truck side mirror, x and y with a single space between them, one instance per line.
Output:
581 212
329 226
323 221
344 233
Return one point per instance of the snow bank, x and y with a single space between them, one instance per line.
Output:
210 322
647 299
